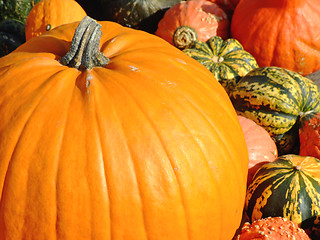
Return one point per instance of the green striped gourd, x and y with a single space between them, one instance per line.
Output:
226 59
16 9
274 98
288 187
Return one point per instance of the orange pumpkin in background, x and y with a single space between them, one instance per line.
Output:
116 134
193 20
309 134
283 33
48 14
261 147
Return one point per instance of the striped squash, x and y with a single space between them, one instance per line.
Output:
288 187
274 98
226 59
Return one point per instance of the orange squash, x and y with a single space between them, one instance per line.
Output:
283 33
126 138
193 20
275 228
261 147
48 14
309 134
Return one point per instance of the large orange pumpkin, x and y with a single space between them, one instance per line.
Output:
141 143
283 33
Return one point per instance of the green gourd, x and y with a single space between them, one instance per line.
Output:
226 59
275 98
16 9
287 187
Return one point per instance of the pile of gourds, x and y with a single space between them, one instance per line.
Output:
159 119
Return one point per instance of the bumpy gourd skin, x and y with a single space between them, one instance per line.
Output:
188 21
276 228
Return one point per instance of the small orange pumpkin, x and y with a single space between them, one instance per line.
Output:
193 20
99 142
261 147
309 134
48 14
275 228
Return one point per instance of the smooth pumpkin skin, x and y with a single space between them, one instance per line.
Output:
261 147
283 33
48 14
126 151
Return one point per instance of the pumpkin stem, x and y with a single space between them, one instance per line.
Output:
184 36
84 51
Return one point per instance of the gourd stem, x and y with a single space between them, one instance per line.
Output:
217 59
184 36
84 52
298 167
